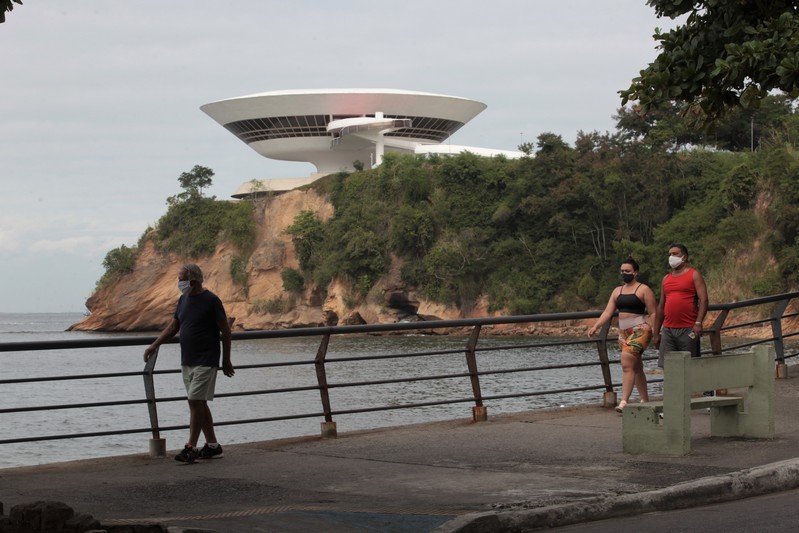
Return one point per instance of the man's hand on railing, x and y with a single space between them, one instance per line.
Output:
149 352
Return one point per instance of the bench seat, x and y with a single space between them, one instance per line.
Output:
696 403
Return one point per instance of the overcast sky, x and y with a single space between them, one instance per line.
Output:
99 100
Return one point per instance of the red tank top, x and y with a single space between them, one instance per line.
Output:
681 301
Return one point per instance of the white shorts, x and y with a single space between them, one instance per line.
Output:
200 382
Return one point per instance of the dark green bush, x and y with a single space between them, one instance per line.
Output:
293 280
195 227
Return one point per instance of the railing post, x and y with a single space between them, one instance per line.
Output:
715 332
328 426
479 412
776 332
157 444
609 396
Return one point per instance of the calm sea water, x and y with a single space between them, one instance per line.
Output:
29 327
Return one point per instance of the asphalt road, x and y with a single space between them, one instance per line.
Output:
546 467
772 513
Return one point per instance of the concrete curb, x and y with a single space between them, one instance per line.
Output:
774 477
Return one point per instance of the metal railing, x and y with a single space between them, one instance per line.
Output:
471 329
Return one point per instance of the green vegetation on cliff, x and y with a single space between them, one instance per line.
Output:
192 227
546 233
543 233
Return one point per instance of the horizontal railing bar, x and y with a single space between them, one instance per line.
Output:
462 400
57 407
739 346
544 393
391 356
536 368
355 358
534 345
753 301
105 342
402 406
430 324
73 377
268 419
266 391
458 351
278 364
108 342
395 380
79 435
745 324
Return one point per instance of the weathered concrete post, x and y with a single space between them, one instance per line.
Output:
609 399
158 447
329 429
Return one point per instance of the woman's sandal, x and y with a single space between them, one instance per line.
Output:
620 407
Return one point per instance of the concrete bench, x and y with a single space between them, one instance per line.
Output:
747 415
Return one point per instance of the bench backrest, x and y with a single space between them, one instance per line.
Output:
684 375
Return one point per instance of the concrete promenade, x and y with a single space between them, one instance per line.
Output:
511 473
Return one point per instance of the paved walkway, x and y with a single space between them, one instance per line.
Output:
532 469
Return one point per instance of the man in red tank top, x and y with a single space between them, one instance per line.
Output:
682 307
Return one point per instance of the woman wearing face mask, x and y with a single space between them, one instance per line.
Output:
635 303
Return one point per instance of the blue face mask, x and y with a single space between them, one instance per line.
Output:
184 286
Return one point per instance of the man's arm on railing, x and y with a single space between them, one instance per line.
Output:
170 331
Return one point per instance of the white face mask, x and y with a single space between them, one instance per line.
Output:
675 261
184 287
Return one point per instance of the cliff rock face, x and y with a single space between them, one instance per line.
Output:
145 299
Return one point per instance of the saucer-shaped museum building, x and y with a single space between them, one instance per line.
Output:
334 128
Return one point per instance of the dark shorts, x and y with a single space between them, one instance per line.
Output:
677 340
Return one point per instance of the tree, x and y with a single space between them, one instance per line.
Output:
661 126
728 53
196 179
193 183
7 5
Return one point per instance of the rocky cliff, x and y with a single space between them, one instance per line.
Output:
144 300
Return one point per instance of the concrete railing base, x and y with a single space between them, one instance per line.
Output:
329 429
157 447
609 399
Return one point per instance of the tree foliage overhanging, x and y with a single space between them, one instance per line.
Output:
724 54
7 6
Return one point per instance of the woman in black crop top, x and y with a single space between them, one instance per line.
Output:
635 303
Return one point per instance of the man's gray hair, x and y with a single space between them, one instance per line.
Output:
193 272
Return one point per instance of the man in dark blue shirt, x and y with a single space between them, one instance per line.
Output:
201 320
